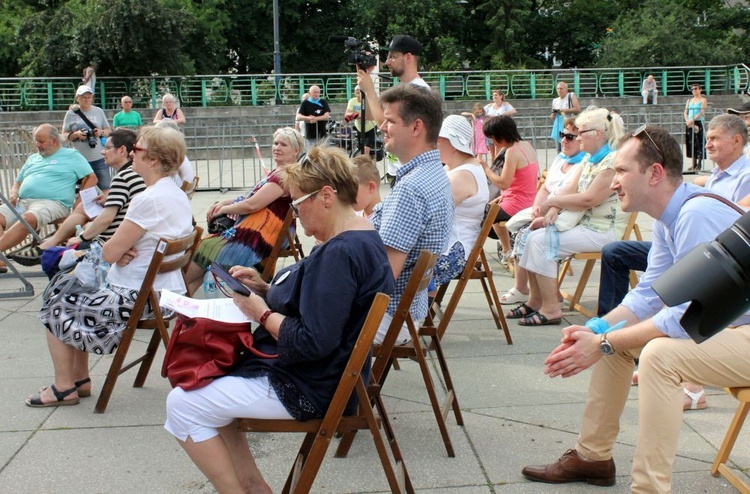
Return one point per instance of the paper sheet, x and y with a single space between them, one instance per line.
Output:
218 309
90 206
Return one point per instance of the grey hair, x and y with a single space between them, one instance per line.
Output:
731 124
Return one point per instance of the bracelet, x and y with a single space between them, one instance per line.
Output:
83 238
265 316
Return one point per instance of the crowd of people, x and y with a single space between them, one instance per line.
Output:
445 171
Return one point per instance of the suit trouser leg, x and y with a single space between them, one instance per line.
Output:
665 363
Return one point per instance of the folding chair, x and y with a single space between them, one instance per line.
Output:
269 263
383 354
591 258
476 268
189 187
719 466
158 325
318 433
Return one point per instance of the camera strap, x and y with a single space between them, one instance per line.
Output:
722 199
84 118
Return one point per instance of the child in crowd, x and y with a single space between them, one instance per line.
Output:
368 177
479 141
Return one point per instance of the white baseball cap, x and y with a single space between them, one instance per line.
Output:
83 90
458 132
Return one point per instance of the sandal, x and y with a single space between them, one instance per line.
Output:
538 319
36 400
31 256
82 393
513 296
634 379
695 403
522 310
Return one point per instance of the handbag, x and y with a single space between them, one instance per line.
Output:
201 350
220 223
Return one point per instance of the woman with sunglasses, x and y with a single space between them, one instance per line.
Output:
83 321
312 336
603 220
558 176
695 109
258 216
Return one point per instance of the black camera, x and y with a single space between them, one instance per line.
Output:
360 53
91 139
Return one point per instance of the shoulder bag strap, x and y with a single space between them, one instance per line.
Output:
722 199
84 118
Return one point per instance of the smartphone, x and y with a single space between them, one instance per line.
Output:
231 282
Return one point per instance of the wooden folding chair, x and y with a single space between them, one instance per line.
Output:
476 268
318 433
158 325
719 466
189 187
269 264
590 258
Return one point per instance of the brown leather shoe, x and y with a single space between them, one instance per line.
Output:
571 467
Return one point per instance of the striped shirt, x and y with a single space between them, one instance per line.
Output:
125 185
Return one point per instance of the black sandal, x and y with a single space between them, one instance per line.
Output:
522 310
82 393
538 319
36 400
31 256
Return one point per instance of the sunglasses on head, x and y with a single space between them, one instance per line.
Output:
641 131
569 137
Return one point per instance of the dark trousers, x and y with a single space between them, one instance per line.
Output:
618 258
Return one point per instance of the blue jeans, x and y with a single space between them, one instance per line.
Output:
103 175
618 258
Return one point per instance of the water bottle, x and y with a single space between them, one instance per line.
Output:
209 285
551 242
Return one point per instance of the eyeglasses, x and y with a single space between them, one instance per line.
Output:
566 136
394 56
300 200
589 130
107 148
642 130
138 148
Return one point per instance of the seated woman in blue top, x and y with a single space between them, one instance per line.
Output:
313 337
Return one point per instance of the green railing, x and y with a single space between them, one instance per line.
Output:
17 94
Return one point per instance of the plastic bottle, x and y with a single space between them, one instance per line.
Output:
551 242
209 285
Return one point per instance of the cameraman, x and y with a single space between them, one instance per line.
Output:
353 112
85 136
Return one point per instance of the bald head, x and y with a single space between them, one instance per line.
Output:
314 92
47 139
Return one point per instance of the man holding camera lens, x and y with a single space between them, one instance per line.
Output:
648 178
44 189
84 126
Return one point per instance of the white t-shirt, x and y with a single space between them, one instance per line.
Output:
185 173
163 210
491 111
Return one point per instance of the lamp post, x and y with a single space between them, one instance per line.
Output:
276 49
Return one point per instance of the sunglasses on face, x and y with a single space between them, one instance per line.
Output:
568 137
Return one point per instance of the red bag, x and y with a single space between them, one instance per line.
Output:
200 350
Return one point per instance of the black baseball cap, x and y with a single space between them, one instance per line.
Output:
405 44
741 110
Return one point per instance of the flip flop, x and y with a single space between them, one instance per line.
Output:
36 400
538 319
522 310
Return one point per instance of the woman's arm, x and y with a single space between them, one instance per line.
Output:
180 117
159 115
261 199
688 122
597 193
125 237
463 186
503 181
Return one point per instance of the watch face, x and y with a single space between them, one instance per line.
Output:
606 348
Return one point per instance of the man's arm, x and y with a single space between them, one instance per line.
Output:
374 110
13 197
89 181
101 222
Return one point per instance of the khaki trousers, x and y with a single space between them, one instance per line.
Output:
665 363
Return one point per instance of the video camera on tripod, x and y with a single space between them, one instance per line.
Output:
360 53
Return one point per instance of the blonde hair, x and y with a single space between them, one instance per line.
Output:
165 145
477 106
323 166
602 119
291 137
365 169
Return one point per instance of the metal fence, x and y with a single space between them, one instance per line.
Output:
55 93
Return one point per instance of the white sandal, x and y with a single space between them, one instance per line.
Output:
694 399
513 296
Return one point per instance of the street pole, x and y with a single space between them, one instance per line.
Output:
276 49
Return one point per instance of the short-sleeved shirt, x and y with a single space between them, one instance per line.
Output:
73 123
732 183
356 106
417 214
163 210
125 186
53 177
317 130
127 119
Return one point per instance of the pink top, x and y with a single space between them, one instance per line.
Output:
522 191
480 141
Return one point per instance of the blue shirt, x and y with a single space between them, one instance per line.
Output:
53 177
732 183
682 226
417 214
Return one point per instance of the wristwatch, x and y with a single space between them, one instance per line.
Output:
605 346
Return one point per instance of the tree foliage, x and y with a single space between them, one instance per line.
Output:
176 37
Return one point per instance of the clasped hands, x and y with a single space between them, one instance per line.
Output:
578 350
